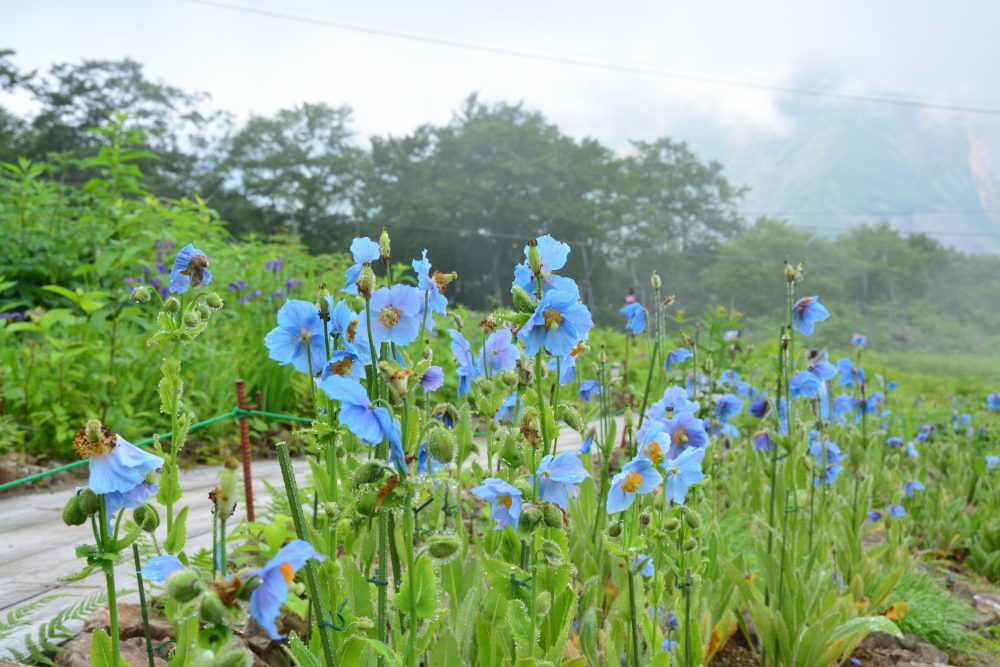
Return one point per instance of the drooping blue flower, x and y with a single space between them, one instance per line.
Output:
298 338
897 511
590 388
669 645
554 255
275 578
507 411
833 460
821 367
924 432
427 464
674 402
588 442
559 322
506 501
468 362
637 476
159 568
396 314
682 472
993 402
646 562
345 326
433 378
803 384
965 419
894 442
843 405
116 500
430 290
678 356
760 407
501 353
874 515
806 312
762 441
685 430
636 315
116 465
190 270
850 375
566 365
912 486
364 251
558 476
728 376
371 423
727 407
859 340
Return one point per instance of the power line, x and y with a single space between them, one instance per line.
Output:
603 65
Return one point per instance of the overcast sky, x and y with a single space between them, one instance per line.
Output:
258 64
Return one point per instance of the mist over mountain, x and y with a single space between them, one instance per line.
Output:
836 165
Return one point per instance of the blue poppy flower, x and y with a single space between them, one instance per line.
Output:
993 402
806 312
116 465
894 442
298 337
833 459
501 353
804 384
669 645
685 430
911 449
760 407
924 432
897 511
558 476
636 315
590 388
992 461
190 270
653 441
159 568
432 291
559 322
468 362
433 378
742 388
566 365
874 515
637 476
728 376
646 563
345 326
275 578
891 385
506 501
588 442
506 410
554 255
117 500
850 375
682 472
859 340
364 251
727 407
369 422
762 441
966 418
912 486
396 314
678 356
674 402
427 464
821 367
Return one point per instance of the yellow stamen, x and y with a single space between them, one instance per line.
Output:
89 447
632 482
352 329
680 436
287 572
653 453
505 500
342 367
389 316
553 318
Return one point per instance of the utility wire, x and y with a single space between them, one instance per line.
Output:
604 65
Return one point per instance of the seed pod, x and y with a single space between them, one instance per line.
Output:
369 472
72 514
690 544
203 310
364 624
672 524
213 300
184 585
366 282
614 529
441 444
522 300
172 305
332 510
693 519
90 503
509 378
443 546
146 517
553 516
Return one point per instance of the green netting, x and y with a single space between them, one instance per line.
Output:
235 412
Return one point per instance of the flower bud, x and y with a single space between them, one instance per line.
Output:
509 378
571 416
146 517
614 529
531 516
629 418
553 516
655 281
184 585
72 514
204 310
644 518
369 472
172 305
323 301
441 444
511 452
90 503
443 546
192 318
366 281
141 294
364 624
213 609
214 301
522 300
384 247
693 520
485 386
332 511
602 356
793 273
690 544
672 524
368 502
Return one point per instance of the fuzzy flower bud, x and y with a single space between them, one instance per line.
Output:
614 529
369 472
443 546
213 300
192 318
72 515
172 305
184 585
655 281
534 257
793 274
571 416
384 247
366 282
553 516
90 502
522 300
693 520
146 517
441 444
141 294
531 516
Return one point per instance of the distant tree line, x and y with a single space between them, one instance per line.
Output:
473 190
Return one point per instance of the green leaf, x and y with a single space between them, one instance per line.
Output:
178 533
101 652
303 656
419 590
